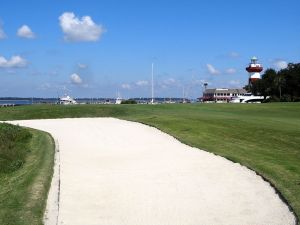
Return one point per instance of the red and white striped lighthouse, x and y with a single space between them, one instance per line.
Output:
254 70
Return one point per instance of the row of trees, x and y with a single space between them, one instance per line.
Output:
283 85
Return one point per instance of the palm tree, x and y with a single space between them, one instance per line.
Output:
278 83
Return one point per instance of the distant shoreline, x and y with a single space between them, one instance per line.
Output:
16 101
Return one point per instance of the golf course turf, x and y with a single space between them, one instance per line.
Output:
263 137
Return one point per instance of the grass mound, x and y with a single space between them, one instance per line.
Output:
13 147
26 168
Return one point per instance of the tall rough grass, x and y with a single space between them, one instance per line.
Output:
13 147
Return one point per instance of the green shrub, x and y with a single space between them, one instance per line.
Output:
129 101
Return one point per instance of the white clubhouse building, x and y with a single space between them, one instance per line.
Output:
221 94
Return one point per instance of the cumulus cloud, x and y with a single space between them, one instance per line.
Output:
76 79
79 29
15 61
126 86
230 71
212 70
142 83
280 64
2 34
82 66
25 32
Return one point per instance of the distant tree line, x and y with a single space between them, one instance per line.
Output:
282 85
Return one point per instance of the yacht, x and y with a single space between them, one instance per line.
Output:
247 98
118 100
67 100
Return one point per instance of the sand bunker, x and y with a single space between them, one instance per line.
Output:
115 172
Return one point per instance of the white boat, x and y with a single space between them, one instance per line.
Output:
247 98
170 101
67 100
118 100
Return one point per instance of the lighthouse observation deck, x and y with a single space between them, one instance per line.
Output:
254 67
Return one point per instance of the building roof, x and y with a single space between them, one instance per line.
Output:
225 90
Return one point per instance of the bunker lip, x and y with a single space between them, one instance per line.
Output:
120 172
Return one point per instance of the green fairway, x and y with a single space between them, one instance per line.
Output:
26 167
263 137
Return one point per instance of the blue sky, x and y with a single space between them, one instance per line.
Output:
96 48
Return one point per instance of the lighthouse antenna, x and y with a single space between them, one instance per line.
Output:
183 97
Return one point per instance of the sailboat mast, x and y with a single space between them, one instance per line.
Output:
152 92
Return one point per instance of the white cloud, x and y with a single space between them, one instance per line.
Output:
230 71
280 64
163 86
234 54
126 86
79 29
76 79
2 34
169 81
44 87
142 83
14 62
25 32
53 73
82 66
212 70
11 71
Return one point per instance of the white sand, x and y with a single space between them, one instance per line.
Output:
116 172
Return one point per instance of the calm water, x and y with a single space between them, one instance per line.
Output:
15 102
